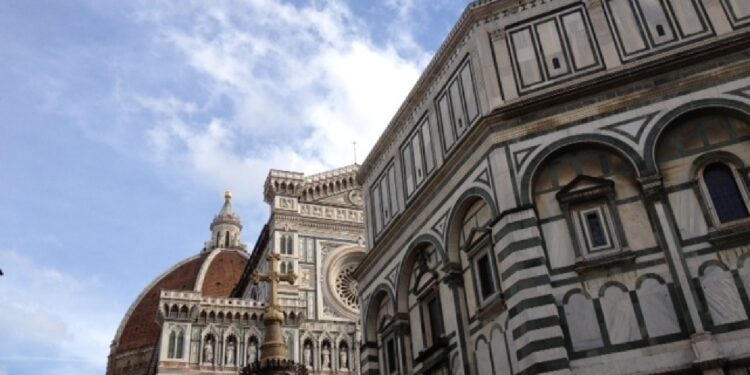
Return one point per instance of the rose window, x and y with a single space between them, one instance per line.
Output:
346 286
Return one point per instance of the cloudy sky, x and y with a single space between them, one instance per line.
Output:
122 122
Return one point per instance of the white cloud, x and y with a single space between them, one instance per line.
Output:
53 317
283 86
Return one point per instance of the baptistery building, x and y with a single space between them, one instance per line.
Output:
205 314
565 190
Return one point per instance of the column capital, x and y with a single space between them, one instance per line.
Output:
652 186
453 275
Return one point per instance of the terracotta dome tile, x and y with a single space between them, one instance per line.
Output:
223 274
141 329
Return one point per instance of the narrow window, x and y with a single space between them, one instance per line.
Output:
484 271
436 318
446 121
283 267
596 230
416 147
408 169
226 240
289 245
283 244
660 30
376 203
386 200
180 344
391 356
555 63
725 194
427 142
170 351
392 189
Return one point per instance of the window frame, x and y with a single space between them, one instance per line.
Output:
604 219
598 198
740 181
413 182
386 179
431 293
481 246
445 94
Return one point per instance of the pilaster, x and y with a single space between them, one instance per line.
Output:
525 283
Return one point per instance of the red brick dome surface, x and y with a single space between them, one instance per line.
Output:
140 329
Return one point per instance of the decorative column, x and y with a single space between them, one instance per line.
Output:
454 279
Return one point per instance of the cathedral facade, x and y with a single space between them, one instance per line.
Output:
205 315
566 190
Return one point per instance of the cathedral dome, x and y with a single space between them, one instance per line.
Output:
214 274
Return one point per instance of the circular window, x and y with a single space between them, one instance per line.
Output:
341 286
346 287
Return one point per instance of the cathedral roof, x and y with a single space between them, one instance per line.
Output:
214 274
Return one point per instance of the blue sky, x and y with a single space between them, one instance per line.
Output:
124 121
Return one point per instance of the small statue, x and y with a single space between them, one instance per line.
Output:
326 358
343 356
208 352
307 356
230 354
252 352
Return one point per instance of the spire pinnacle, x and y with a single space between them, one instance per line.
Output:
228 195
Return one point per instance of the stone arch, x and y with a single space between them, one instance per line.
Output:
578 314
657 306
713 157
501 361
643 278
742 262
704 267
723 303
464 202
618 310
728 106
602 141
612 284
402 284
381 296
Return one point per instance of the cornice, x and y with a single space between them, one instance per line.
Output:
317 223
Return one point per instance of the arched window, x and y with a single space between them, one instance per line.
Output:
726 197
180 344
289 245
283 267
226 240
476 243
283 244
172 342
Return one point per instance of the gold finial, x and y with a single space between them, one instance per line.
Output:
228 195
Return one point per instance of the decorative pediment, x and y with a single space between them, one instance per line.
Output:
585 188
